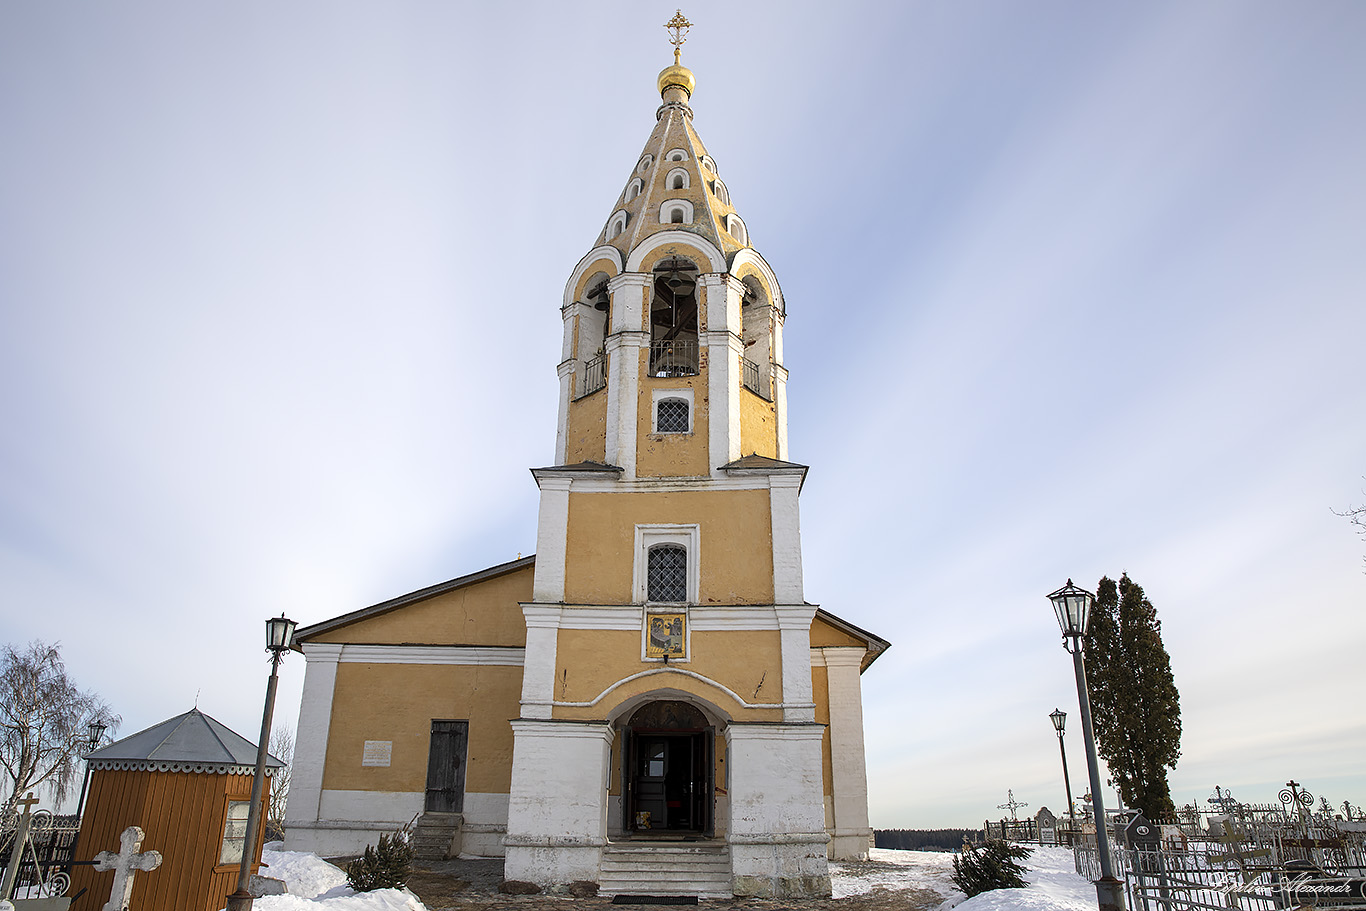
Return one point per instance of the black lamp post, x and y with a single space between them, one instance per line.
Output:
1073 607
95 733
1059 719
279 632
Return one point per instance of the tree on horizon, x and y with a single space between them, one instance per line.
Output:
1135 707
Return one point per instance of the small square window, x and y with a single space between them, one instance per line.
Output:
672 416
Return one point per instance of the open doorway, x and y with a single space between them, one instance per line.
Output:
668 771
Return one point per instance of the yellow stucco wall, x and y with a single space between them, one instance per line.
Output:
586 433
820 691
672 455
398 702
758 426
735 540
483 613
823 635
589 661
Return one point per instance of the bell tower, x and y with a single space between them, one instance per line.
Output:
672 362
673 678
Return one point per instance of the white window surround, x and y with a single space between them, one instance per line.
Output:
648 536
718 189
633 189
677 155
736 229
658 395
644 163
669 206
678 172
708 163
616 225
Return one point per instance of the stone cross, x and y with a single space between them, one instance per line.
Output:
124 864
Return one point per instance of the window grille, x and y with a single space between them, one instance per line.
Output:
672 416
668 573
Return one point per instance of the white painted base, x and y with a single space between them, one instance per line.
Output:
850 845
353 819
781 869
548 865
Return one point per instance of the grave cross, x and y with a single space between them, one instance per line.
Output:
125 864
20 838
1011 804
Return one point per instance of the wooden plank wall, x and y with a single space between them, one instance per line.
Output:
182 815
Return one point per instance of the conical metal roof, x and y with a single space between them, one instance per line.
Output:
189 742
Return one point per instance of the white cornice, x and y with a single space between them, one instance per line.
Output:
506 656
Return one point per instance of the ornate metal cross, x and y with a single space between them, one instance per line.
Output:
1011 804
678 33
125 864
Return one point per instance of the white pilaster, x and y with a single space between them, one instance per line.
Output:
794 625
538 669
552 530
557 812
849 776
777 823
779 383
725 347
785 518
310 743
565 370
630 301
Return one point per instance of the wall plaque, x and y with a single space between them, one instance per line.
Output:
377 753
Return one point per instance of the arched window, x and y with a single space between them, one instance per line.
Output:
678 181
644 164
708 163
677 155
675 212
668 573
616 225
671 416
736 229
719 190
633 190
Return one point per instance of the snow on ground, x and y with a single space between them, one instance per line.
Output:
316 885
1053 886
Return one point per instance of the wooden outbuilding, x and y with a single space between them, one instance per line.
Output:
187 783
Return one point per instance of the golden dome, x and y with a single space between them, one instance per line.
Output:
678 75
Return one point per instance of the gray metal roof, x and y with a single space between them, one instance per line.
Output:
192 738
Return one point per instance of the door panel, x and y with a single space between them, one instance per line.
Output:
446 767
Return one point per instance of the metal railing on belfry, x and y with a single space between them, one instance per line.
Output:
673 358
594 375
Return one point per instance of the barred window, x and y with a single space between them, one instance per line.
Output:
672 416
668 573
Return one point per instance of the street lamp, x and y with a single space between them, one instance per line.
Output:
279 632
94 734
1073 607
1059 719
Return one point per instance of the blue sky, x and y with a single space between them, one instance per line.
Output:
1073 289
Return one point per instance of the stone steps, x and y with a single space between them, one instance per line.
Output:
435 835
666 868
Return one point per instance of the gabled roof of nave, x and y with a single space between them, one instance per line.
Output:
652 172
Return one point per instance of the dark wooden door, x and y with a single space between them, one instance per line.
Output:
446 767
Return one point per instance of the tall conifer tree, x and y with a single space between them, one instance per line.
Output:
1135 707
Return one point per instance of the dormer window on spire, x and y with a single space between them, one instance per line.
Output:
678 179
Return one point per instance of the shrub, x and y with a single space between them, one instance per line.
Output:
989 866
385 866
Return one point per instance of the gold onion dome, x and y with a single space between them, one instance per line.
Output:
677 75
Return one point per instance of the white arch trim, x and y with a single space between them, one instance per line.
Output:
677 150
716 260
607 252
749 256
677 172
624 709
674 670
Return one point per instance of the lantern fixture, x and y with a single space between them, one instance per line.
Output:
279 632
1073 607
1059 719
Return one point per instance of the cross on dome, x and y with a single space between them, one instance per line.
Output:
678 33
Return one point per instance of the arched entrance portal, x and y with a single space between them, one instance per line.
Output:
668 772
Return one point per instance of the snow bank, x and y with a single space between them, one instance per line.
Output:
1053 886
316 885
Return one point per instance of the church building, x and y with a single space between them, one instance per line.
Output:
649 703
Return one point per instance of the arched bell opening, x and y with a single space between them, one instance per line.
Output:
756 318
668 767
595 318
673 319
